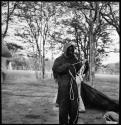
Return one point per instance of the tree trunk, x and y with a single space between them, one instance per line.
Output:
43 66
92 57
77 41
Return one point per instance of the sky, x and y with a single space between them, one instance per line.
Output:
112 58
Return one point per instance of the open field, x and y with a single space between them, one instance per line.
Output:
26 100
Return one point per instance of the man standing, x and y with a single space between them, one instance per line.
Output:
64 73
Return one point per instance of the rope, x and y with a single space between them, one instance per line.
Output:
71 83
71 89
107 117
76 63
72 77
76 114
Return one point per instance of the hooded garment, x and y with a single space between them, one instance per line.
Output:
66 46
61 74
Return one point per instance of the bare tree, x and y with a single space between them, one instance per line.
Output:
8 9
111 15
37 16
87 36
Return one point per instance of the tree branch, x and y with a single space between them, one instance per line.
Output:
4 34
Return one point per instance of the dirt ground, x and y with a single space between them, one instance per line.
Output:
28 101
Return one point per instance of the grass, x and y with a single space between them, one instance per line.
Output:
106 83
26 100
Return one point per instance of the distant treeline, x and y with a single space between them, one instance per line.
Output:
112 68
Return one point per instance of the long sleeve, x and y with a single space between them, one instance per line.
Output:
60 67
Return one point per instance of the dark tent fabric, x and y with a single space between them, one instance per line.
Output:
5 51
95 99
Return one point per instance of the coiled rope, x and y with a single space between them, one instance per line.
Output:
81 71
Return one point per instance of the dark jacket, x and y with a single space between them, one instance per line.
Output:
61 74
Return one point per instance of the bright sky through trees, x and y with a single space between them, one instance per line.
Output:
17 25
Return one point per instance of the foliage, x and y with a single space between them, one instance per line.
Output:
14 46
8 9
112 68
36 16
80 27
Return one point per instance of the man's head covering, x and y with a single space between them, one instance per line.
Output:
66 46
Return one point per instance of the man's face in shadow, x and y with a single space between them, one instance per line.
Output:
70 51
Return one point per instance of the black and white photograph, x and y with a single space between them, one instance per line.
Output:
60 62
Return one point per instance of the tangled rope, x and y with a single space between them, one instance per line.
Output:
79 74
